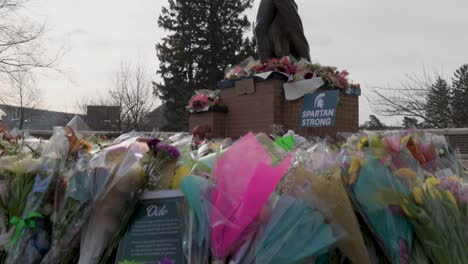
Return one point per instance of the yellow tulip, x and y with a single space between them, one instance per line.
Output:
364 142
180 174
434 192
353 170
406 172
428 174
418 195
404 139
450 197
405 208
455 178
432 182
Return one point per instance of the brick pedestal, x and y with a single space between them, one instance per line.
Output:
267 106
215 120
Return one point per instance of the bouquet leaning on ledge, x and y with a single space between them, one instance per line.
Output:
74 211
135 168
18 175
31 240
160 154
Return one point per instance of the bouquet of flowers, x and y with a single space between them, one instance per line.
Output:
18 175
294 233
438 213
316 178
202 100
31 239
124 177
367 174
296 70
139 168
75 208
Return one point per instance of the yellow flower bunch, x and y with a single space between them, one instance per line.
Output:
418 195
407 173
432 182
354 169
430 187
364 142
405 139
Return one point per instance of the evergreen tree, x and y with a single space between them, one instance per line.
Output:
438 106
374 123
460 96
204 37
409 122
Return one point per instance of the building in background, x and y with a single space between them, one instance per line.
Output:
156 119
103 117
34 119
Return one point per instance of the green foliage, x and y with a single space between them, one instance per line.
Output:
14 200
204 37
438 105
374 123
459 101
409 122
446 103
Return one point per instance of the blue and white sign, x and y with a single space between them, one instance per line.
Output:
319 109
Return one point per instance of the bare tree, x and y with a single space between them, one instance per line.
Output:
83 103
22 93
408 100
21 41
133 92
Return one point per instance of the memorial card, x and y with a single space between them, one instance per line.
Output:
156 232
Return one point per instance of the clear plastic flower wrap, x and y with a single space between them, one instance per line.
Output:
75 208
185 162
295 232
202 100
198 191
126 175
438 214
240 193
31 239
316 178
367 175
244 180
141 166
18 173
241 70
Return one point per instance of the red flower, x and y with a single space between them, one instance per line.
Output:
308 75
198 101
429 151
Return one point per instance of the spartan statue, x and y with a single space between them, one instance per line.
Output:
279 30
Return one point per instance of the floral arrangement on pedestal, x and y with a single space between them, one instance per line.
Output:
202 100
294 70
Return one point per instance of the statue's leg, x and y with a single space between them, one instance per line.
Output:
280 39
292 28
265 16
299 45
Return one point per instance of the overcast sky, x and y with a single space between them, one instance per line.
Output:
376 41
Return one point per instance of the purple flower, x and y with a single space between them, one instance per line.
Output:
166 260
153 143
404 252
173 151
396 210
464 198
156 145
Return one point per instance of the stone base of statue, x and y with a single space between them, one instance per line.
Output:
263 105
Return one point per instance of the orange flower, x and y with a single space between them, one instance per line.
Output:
85 145
415 149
